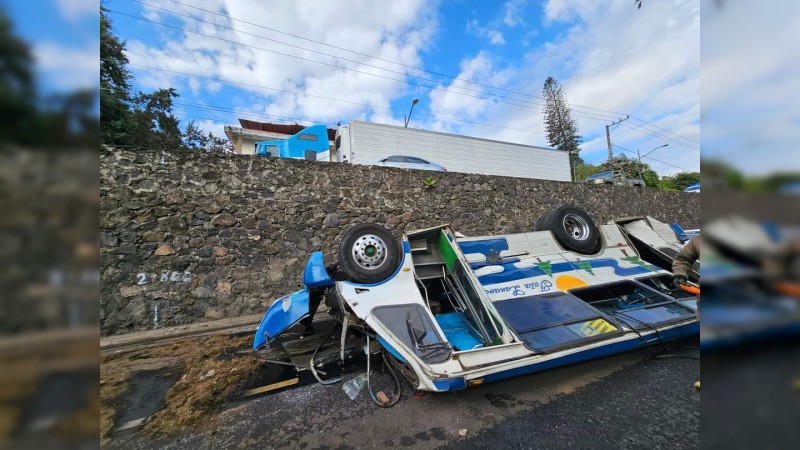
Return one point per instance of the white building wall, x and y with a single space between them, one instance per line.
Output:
373 142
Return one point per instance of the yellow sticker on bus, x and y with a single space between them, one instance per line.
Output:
597 326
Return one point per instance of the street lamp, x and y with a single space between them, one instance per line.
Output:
413 102
640 156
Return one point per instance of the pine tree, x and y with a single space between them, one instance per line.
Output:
115 115
561 128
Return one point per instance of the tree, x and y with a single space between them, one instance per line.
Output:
195 139
144 120
561 128
651 179
633 168
115 114
680 181
630 166
153 125
584 170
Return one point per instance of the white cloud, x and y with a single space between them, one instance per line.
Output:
750 85
566 10
73 10
211 126
611 56
67 68
396 31
513 15
449 102
495 36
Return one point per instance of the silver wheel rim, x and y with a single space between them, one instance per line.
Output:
576 226
369 252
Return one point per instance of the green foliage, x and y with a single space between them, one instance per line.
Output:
196 139
143 120
631 167
429 183
584 170
115 117
680 181
152 123
561 128
651 178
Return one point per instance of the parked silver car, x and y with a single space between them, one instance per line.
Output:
410 162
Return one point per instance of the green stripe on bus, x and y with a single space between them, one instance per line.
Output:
446 247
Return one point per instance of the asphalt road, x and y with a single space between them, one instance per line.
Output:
628 401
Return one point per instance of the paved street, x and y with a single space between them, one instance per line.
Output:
629 401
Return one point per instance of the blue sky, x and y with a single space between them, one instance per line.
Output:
65 38
612 59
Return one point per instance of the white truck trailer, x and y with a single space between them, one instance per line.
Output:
367 143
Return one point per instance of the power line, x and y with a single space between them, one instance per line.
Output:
614 113
574 105
237 113
245 113
323 53
581 114
670 132
653 159
433 88
661 136
296 93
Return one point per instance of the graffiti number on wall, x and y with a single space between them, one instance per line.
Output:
174 276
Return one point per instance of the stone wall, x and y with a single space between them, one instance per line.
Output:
189 236
48 239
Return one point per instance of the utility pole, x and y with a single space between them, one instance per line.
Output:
639 167
608 134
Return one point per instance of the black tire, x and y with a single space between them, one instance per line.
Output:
541 222
572 227
369 253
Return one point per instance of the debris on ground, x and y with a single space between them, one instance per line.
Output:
208 374
353 387
208 370
462 432
209 380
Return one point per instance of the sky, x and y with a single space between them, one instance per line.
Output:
477 68
65 41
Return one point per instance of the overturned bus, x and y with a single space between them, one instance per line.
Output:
450 311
